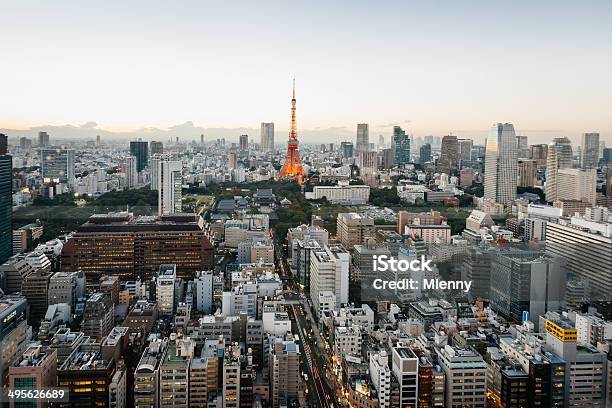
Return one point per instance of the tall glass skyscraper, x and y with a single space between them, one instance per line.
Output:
57 165
140 150
267 137
6 206
400 143
501 164
590 150
363 137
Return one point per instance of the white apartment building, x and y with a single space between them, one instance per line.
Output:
347 341
164 289
329 271
327 302
170 186
380 374
241 299
592 329
204 291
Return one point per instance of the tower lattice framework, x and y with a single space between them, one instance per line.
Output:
292 168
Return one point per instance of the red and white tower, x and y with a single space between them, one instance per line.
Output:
292 168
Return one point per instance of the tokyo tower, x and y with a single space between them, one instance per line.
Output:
292 169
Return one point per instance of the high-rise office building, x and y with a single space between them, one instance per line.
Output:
368 162
346 149
155 160
6 207
363 137
401 146
522 145
43 139
267 136
590 150
501 164
465 147
607 155
559 156
576 185
449 155
57 165
3 144
527 173
425 153
586 244
130 171
140 150
526 281
329 272
244 143
156 147
232 159
25 143
539 153
170 186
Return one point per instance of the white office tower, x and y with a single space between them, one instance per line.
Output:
204 291
501 164
577 185
559 156
590 150
267 137
131 172
164 289
170 186
406 369
154 166
380 374
329 271
466 373
363 138
586 243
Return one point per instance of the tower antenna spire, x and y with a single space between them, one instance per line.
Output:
293 87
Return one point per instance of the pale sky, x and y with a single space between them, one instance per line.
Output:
433 67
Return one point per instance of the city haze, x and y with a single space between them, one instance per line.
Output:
139 68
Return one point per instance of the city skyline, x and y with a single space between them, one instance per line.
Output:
221 68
